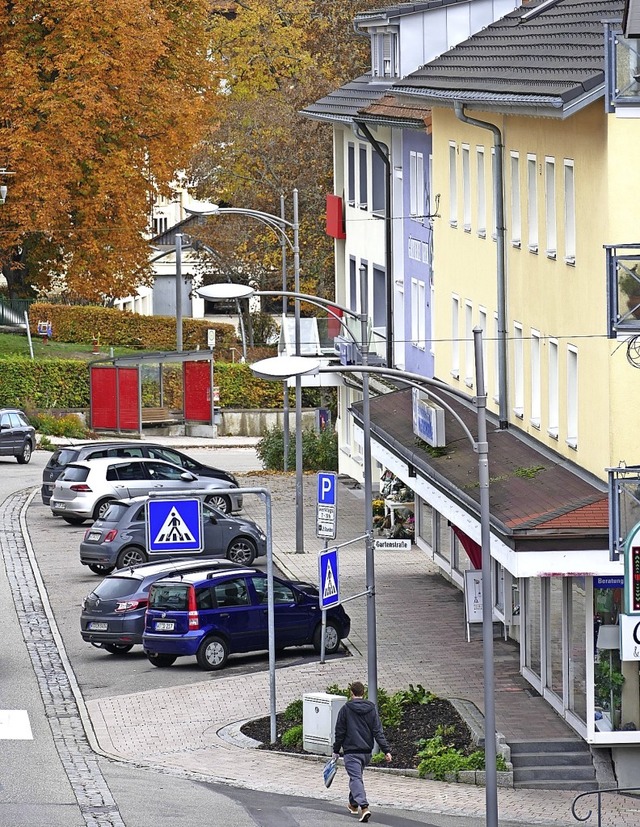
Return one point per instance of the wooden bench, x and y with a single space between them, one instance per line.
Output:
155 416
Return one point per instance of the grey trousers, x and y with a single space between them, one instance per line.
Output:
354 764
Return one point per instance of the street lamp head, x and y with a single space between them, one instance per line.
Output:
202 208
278 368
225 290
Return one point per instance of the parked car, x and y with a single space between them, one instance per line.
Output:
112 615
85 489
17 435
118 539
66 454
214 615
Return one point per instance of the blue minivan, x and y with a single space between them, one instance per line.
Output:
216 614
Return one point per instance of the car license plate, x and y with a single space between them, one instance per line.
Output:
98 627
58 505
95 535
165 626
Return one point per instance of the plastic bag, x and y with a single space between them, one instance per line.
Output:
329 771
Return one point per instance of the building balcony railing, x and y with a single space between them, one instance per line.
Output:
623 289
622 69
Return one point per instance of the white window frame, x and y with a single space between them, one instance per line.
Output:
455 336
469 362
516 209
535 379
551 224
572 396
481 201
532 204
416 186
418 314
569 212
432 195
553 408
518 371
384 54
466 188
453 184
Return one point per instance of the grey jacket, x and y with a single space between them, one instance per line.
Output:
357 726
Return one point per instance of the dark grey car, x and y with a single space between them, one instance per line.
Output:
67 454
119 539
113 613
17 435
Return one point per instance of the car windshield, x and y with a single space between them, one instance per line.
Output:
169 596
115 512
75 473
112 587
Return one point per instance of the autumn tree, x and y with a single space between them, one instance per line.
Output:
273 58
102 103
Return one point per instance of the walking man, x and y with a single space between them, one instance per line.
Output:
357 727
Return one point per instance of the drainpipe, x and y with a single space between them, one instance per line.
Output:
498 196
386 160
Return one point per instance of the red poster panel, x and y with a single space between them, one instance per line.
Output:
197 391
128 402
102 382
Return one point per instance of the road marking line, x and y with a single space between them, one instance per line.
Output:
14 725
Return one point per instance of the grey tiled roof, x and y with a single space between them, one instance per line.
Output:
343 104
547 52
400 9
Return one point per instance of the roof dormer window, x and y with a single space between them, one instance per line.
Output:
384 54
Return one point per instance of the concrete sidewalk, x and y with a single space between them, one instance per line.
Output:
421 639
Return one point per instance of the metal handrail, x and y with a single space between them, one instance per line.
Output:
599 794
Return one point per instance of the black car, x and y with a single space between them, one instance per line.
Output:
113 613
120 538
66 454
17 435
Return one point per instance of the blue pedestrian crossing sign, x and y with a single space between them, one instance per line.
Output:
174 525
329 579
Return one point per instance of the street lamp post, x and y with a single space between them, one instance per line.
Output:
280 226
279 367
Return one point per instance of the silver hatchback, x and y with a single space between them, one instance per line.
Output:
85 489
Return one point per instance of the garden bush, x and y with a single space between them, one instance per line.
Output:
319 450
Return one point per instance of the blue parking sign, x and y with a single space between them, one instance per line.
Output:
329 585
327 488
174 525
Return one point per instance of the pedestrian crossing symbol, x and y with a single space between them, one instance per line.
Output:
174 526
174 530
329 580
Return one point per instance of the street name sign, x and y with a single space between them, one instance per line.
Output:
327 505
328 578
174 525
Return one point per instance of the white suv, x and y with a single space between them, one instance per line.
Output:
84 490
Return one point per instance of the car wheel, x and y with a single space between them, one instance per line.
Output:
241 551
161 660
98 569
212 653
220 502
331 638
24 457
101 509
74 520
131 556
118 648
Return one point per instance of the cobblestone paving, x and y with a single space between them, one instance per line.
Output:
94 798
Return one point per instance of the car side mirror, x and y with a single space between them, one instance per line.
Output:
4 427
187 477
213 520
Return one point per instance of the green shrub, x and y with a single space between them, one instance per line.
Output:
45 444
438 758
293 713
378 759
417 695
390 708
43 384
319 450
334 689
293 737
66 425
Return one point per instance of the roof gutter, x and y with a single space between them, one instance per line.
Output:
386 160
498 196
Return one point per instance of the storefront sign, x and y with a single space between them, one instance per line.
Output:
608 582
629 637
632 571
391 544
428 420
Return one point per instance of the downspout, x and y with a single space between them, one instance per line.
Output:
498 196
386 160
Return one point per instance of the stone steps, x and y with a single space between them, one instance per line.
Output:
558 764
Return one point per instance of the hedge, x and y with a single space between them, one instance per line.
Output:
64 383
75 323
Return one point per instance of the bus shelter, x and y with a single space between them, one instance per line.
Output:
164 388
